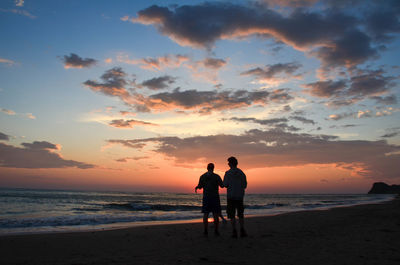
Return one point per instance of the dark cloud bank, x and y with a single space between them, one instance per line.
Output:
335 36
35 155
272 148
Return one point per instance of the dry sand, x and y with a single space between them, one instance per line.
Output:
365 234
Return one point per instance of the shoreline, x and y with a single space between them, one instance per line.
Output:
361 234
128 225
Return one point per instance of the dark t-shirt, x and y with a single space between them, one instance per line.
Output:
209 182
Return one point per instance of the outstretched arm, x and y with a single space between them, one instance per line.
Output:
220 182
225 181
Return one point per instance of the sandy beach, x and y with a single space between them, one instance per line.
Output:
364 234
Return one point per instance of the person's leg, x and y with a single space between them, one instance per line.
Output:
234 231
230 210
242 230
216 223
241 218
205 223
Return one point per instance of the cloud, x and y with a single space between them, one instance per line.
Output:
286 108
208 101
388 100
127 113
129 123
274 74
341 116
30 116
207 69
159 82
276 123
7 111
391 132
213 63
343 126
333 35
41 145
113 84
303 120
129 144
36 155
7 61
389 135
156 63
4 137
349 50
19 3
286 127
363 84
18 12
290 3
136 158
364 114
382 21
386 112
259 121
11 112
326 89
74 61
274 148
370 83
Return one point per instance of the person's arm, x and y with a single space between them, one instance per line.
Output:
225 181
244 181
200 185
220 183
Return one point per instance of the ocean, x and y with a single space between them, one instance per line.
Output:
42 211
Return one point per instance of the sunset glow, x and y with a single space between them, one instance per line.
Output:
141 95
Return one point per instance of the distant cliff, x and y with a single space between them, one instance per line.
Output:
383 188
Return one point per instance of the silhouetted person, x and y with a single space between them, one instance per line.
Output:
210 182
235 182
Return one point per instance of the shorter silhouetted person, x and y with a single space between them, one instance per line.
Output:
210 183
235 182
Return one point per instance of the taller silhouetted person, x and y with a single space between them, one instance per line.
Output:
235 181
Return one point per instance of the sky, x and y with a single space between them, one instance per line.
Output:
141 95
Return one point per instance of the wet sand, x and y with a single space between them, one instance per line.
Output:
365 234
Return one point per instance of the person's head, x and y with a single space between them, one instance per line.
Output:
232 162
210 167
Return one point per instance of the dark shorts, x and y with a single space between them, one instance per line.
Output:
211 205
233 206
